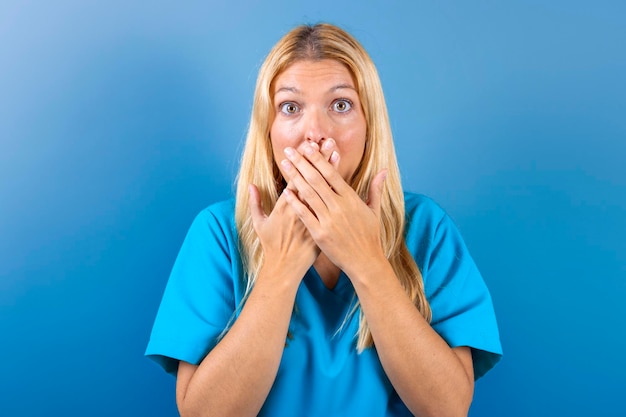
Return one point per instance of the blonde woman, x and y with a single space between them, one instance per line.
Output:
323 289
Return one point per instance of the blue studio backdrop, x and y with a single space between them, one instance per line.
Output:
119 121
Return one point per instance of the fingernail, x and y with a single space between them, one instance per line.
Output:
334 157
328 145
308 150
290 152
286 165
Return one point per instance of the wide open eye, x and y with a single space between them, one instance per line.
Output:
289 108
342 105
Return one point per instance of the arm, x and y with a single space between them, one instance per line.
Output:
235 378
430 377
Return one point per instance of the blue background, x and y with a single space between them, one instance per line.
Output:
119 122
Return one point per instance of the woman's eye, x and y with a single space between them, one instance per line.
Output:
289 108
342 105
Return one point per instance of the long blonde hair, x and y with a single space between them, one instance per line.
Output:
314 43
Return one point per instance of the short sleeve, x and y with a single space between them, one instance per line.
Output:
460 301
199 299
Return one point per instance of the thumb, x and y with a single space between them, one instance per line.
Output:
376 191
256 211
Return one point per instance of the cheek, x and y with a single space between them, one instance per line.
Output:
353 145
276 139
282 135
351 159
280 138
351 149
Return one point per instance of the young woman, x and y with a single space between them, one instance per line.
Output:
323 289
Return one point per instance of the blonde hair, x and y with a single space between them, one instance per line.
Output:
314 43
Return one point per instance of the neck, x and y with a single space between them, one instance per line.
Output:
328 271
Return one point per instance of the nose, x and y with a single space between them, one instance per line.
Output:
316 126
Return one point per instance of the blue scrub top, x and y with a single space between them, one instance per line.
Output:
321 373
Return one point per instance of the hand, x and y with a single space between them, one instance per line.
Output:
284 238
287 244
327 150
344 227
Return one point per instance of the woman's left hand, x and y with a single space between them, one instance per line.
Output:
344 227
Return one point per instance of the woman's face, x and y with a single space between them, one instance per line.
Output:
315 101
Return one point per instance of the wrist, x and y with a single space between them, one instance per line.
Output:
366 271
282 276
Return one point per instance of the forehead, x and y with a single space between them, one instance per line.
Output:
303 73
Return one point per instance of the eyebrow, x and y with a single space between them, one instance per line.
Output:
287 89
330 90
342 86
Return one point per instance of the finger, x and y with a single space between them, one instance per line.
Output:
305 215
303 190
289 185
311 176
327 148
300 150
325 168
256 210
375 193
329 152
334 160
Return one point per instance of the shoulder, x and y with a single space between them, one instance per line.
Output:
215 225
430 232
220 214
422 211
414 201
220 210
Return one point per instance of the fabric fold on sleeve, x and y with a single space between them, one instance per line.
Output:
463 313
199 298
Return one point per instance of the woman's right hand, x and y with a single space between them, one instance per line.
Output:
223 382
287 244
